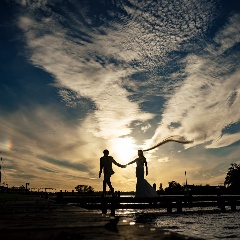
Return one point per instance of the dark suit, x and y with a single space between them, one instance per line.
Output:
106 165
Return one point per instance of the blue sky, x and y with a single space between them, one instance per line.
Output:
78 77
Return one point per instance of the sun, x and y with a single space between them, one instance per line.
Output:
124 150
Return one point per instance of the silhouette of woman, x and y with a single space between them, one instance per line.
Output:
143 188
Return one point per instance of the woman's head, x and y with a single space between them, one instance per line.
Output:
140 153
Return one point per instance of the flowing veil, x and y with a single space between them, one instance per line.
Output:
175 138
143 188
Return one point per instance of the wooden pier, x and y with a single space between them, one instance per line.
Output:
162 202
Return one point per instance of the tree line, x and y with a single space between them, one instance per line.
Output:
231 184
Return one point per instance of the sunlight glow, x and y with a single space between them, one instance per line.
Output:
5 144
125 150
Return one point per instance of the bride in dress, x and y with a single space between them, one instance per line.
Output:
143 188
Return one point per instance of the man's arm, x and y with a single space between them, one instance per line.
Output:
101 167
118 164
146 168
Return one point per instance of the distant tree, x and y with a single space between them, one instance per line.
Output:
232 179
173 187
160 190
84 189
160 187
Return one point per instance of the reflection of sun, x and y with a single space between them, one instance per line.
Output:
124 149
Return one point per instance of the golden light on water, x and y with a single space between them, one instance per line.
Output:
124 149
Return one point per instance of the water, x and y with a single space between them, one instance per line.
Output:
196 222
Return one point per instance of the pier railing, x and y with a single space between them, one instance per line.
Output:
162 202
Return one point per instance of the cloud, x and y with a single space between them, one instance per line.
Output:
229 36
145 128
225 140
207 101
31 3
110 65
85 79
63 163
163 160
93 64
45 145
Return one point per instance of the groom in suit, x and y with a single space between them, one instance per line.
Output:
106 166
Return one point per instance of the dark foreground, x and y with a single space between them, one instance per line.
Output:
37 218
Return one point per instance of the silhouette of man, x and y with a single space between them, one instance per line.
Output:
106 165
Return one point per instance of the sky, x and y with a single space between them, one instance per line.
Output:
78 77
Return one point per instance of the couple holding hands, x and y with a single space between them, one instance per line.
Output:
143 188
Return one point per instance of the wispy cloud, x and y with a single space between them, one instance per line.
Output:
207 101
112 63
142 37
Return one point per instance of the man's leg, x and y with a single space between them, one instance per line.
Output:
108 182
104 188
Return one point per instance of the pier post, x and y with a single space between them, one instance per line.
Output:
233 205
112 211
179 207
60 196
113 206
169 207
104 205
221 204
223 207
188 200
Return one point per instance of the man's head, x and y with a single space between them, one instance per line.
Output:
105 152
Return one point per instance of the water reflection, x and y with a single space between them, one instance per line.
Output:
205 223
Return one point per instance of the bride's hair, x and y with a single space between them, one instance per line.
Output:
140 152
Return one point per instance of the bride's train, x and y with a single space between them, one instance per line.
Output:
144 189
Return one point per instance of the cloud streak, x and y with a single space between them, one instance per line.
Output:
129 74
93 64
207 101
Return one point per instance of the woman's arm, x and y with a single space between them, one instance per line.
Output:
132 162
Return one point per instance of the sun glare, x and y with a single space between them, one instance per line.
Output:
124 149
5 144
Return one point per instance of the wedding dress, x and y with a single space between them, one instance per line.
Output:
143 188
